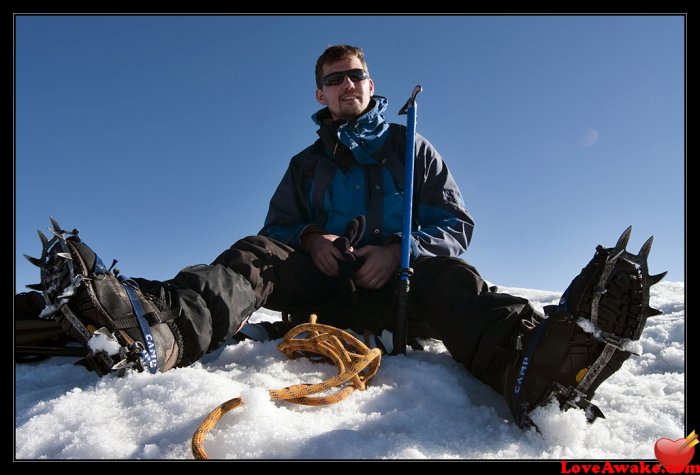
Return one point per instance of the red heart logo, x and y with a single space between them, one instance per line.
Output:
674 455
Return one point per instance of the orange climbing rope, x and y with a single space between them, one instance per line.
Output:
356 363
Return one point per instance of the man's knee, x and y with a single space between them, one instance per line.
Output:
448 275
258 243
251 249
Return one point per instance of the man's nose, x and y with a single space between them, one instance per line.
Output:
347 83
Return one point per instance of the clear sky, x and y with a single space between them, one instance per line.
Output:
162 138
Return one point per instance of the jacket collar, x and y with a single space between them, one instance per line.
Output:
363 135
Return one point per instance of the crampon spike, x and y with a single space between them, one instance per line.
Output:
653 312
42 236
655 279
56 227
37 262
592 413
646 247
624 238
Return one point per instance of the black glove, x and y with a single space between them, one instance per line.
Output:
354 231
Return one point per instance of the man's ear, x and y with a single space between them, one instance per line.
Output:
371 87
320 97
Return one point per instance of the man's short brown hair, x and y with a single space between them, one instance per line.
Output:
336 53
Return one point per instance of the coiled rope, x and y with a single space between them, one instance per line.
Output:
357 364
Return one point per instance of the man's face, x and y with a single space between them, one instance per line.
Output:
347 100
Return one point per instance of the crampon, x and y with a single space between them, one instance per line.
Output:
121 326
586 337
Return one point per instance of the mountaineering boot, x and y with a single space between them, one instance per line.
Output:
122 327
585 338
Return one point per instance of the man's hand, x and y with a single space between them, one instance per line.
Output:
380 265
324 255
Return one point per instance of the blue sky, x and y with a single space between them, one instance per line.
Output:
162 138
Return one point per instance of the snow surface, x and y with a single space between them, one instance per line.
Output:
424 405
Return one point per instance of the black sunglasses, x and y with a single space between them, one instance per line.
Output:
333 79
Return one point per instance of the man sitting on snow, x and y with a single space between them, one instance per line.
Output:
330 245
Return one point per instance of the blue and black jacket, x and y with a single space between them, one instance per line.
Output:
356 168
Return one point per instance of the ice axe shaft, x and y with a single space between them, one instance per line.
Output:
405 271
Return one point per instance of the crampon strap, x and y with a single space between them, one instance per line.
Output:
149 352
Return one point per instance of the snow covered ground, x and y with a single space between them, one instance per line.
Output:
424 405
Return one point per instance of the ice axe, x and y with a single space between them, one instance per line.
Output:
405 272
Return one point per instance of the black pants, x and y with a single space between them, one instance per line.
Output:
448 300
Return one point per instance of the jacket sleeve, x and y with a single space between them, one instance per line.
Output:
287 217
442 226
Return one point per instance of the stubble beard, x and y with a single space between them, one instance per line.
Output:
351 111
